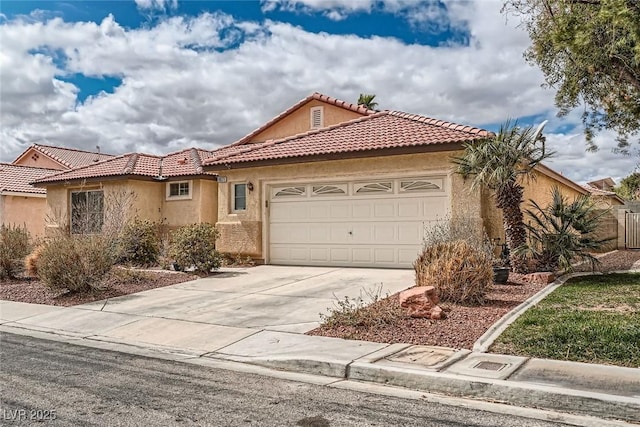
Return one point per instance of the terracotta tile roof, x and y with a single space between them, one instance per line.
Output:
17 179
383 130
182 163
314 96
68 157
597 191
603 184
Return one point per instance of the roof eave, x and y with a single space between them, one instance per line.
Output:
22 194
75 181
394 151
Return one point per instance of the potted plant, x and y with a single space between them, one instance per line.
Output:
501 267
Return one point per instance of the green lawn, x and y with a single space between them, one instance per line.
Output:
593 319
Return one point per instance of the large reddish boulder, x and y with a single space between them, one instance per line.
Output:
421 301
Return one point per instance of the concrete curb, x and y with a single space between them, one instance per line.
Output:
572 405
512 393
486 340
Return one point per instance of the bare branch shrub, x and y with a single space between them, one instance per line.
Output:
84 246
452 229
14 246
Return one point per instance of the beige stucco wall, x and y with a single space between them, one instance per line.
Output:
539 189
147 200
299 121
242 232
24 211
202 207
42 161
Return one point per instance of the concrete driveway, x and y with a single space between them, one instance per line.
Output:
276 298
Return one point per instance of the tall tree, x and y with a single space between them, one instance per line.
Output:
501 163
367 100
629 188
589 51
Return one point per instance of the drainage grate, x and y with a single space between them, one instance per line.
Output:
491 366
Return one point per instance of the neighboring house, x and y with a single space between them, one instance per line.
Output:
22 204
172 190
60 158
324 183
604 184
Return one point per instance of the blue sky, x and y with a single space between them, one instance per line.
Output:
156 75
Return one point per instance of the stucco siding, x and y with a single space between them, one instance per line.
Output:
299 121
146 200
246 229
208 201
24 211
539 190
147 197
201 207
38 160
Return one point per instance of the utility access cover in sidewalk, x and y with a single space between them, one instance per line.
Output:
491 366
486 365
426 356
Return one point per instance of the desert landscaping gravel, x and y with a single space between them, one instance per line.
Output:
462 327
34 291
464 324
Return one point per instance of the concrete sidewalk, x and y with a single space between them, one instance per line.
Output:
601 391
257 317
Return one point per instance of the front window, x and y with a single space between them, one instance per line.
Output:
179 190
87 211
239 197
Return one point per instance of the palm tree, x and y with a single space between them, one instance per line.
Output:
367 100
500 163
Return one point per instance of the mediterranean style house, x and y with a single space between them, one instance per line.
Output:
323 183
23 204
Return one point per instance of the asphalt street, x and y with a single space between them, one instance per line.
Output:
52 383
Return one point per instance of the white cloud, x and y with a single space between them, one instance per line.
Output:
181 87
160 5
336 10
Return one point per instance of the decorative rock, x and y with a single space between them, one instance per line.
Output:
544 277
421 301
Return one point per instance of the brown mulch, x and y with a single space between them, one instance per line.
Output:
464 324
34 291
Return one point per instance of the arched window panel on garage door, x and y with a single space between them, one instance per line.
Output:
421 185
373 187
328 190
289 192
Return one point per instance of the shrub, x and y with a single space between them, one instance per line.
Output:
563 232
195 246
361 311
139 243
77 263
459 271
14 246
453 229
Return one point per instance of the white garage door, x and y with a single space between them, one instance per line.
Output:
376 223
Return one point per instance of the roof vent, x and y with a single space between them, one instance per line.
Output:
317 118
97 159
